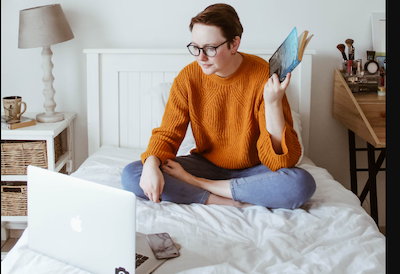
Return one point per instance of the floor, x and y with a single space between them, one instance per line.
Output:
6 246
382 229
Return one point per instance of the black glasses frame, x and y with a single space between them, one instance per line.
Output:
215 48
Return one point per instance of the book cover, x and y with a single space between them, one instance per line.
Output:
289 54
24 122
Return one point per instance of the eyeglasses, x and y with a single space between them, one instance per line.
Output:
209 51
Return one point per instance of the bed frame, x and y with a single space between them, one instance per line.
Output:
119 104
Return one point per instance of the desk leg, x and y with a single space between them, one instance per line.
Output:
353 165
372 172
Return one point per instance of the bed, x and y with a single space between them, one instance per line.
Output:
126 92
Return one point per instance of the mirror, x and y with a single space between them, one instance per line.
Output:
379 31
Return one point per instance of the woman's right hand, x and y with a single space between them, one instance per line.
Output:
152 180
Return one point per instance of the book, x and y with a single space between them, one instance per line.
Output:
24 122
289 54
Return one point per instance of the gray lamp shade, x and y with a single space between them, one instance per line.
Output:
43 26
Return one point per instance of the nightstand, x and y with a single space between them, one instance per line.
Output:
364 114
49 134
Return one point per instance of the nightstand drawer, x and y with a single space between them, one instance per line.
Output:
14 199
16 155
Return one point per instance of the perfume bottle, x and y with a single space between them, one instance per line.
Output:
359 65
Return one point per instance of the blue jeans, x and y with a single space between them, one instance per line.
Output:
284 188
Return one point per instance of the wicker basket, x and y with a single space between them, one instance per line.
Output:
63 170
17 155
58 149
13 199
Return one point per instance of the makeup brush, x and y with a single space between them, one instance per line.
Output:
349 43
342 47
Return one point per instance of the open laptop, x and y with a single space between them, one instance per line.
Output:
84 224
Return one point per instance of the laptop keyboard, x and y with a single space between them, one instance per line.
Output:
140 259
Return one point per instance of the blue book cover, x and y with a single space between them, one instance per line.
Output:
288 55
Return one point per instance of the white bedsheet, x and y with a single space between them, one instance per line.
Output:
332 234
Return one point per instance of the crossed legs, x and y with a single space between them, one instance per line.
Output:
220 191
192 179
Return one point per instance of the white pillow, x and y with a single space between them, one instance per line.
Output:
297 128
160 93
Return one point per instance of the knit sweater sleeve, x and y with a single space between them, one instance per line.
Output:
166 139
290 144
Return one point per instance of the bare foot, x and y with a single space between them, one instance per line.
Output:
220 190
217 187
176 170
218 200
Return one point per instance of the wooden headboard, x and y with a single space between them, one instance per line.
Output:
119 105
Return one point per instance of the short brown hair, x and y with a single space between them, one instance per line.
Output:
222 16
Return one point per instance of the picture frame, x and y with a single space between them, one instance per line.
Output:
378 21
380 57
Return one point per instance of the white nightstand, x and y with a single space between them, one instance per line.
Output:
39 132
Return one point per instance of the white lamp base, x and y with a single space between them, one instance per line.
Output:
50 116
55 117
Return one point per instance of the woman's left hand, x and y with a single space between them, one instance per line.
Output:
274 90
274 117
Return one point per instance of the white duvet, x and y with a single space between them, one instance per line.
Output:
332 233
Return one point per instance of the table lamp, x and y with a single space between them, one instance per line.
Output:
42 27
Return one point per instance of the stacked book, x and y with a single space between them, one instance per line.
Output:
24 122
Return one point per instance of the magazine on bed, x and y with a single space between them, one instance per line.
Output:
289 54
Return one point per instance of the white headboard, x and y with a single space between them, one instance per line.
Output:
119 106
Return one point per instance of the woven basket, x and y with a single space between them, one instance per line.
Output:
58 149
13 199
63 170
17 155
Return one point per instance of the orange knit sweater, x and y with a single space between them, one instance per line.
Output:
227 117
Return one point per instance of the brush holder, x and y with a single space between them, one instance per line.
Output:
352 67
363 83
344 66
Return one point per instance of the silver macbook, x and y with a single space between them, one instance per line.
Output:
87 225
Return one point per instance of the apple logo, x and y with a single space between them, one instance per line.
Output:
76 224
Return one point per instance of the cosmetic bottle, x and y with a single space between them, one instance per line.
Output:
344 66
381 91
359 65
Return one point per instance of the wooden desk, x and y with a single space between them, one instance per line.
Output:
364 114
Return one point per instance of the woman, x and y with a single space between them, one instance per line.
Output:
246 147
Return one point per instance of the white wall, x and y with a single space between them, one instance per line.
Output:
164 24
